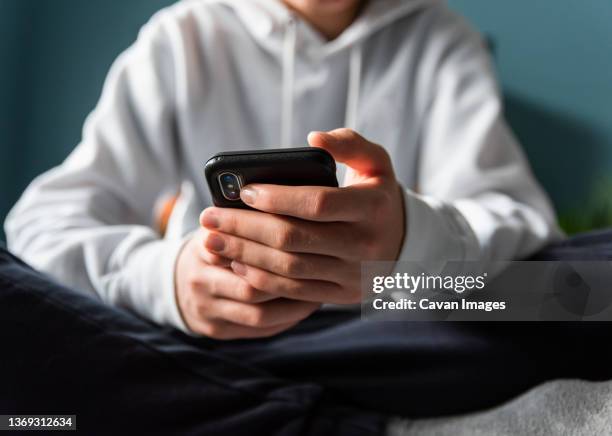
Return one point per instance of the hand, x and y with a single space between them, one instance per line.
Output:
215 302
310 243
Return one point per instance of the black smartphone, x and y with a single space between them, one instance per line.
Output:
226 173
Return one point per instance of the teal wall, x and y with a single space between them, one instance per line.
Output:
54 56
13 36
554 58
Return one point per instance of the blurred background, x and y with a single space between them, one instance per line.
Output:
554 59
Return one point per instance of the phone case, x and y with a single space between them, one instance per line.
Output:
305 166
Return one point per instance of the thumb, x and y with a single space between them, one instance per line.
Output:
348 147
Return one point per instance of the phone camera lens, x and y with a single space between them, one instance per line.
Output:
230 186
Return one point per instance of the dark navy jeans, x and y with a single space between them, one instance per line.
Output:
66 353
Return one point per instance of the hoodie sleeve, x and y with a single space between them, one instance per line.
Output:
477 197
88 222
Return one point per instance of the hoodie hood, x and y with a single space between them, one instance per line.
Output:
280 31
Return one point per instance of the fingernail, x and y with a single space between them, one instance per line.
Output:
215 243
239 268
209 220
248 195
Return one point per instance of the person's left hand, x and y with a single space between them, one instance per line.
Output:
309 244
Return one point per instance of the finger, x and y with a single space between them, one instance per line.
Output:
284 233
304 290
263 315
225 330
214 259
314 203
207 256
224 283
294 265
347 146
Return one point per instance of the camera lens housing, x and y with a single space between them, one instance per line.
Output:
230 185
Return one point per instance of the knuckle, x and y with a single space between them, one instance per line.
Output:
381 153
230 222
294 266
320 203
193 280
255 316
201 309
287 238
293 289
247 293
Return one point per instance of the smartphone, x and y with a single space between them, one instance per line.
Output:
226 173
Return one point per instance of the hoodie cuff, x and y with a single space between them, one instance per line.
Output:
435 231
151 280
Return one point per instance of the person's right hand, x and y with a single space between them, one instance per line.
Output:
217 303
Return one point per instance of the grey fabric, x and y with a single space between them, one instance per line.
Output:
561 407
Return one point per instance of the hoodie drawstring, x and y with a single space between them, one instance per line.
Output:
354 86
288 77
289 46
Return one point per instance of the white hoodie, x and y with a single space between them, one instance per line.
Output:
211 75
